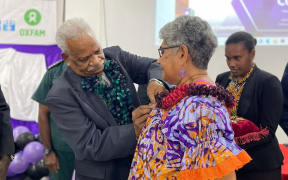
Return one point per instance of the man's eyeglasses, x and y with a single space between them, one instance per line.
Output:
161 49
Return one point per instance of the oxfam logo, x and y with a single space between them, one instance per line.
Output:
32 17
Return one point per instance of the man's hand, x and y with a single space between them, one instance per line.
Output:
153 88
52 162
4 164
139 117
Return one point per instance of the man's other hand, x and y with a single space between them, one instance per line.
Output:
52 162
139 117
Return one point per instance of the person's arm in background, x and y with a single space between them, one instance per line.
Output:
284 118
51 160
7 146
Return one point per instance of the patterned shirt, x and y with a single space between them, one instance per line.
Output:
236 87
192 140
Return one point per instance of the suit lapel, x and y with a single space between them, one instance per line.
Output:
100 107
92 100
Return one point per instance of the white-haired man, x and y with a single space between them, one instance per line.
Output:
94 102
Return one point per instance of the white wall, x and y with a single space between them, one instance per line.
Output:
130 24
90 10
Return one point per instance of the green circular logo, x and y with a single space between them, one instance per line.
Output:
32 17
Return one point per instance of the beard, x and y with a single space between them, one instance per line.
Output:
105 80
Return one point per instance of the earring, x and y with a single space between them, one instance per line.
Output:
182 73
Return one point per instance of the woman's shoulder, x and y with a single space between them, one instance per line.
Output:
201 106
202 101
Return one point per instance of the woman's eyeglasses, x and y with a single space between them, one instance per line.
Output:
161 49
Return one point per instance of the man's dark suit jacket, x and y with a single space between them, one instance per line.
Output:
6 136
284 119
103 150
261 102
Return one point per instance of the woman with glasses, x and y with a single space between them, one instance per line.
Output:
189 134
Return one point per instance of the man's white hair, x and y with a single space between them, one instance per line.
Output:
72 29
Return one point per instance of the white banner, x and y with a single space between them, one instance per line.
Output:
20 75
31 22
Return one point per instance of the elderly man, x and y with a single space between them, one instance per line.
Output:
94 102
6 137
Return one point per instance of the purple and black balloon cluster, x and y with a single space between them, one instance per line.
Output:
28 160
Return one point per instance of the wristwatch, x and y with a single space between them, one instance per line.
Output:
161 83
11 157
47 151
157 81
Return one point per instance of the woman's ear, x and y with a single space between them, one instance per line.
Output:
184 53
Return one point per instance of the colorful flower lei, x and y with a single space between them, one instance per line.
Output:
166 101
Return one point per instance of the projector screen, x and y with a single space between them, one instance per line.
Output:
267 20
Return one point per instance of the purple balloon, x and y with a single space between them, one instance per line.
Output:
19 130
18 165
9 172
33 152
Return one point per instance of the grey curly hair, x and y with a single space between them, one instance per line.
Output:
193 32
72 29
